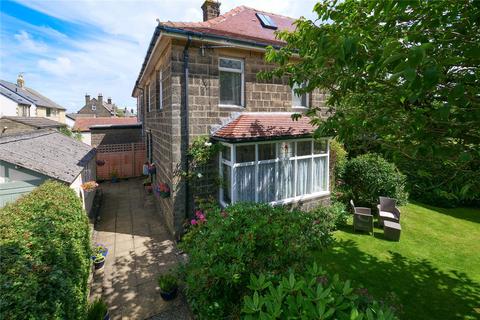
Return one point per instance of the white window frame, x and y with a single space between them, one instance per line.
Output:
242 83
149 96
94 107
307 98
160 90
233 165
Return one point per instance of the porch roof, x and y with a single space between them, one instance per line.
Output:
268 126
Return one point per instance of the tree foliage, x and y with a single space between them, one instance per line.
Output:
402 78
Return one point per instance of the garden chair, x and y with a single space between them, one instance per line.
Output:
387 210
362 218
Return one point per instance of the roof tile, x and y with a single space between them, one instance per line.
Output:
84 124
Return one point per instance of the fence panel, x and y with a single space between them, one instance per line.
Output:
125 159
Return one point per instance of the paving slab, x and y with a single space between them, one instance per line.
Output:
140 249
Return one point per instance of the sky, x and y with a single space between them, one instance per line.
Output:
67 48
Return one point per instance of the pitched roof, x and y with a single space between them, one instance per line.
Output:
239 23
47 152
14 96
263 126
30 95
84 124
37 122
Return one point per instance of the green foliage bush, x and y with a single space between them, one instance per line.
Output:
44 255
332 216
338 156
225 247
369 176
310 296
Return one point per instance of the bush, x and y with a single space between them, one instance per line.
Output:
331 217
313 296
338 156
225 247
45 255
369 176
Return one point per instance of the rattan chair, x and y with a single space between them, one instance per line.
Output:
362 218
387 210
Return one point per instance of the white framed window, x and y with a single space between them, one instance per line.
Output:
149 96
300 101
94 107
274 171
48 112
160 90
231 81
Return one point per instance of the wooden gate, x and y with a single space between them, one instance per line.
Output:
125 159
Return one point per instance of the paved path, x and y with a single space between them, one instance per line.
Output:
140 249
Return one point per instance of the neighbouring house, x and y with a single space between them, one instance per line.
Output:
19 100
98 107
11 125
70 119
28 159
83 125
200 78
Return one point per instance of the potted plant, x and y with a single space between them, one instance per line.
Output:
89 186
114 176
152 169
163 190
99 255
100 163
98 310
168 286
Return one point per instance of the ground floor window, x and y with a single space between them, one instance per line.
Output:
274 172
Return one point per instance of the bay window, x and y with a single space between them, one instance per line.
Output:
274 172
231 78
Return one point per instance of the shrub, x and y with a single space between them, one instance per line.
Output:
331 217
226 246
97 310
45 255
369 176
338 156
313 296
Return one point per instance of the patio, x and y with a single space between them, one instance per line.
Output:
140 248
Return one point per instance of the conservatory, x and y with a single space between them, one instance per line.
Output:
271 167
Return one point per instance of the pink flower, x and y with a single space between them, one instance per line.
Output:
201 217
193 222
198 213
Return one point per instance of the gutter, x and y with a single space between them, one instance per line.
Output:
185 124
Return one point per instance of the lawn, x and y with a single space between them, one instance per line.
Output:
432 273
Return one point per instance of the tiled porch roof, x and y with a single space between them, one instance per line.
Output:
264 127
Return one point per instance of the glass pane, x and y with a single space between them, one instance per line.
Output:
226 171
266 151
320 147
266 182
226 153
245 153
304 176
285 149
285 179
229 63
319 174
304 148
230 88
299 100
245 182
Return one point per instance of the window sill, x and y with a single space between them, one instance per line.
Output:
291 200
299 108
231 106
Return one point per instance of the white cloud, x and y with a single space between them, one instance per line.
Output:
108 60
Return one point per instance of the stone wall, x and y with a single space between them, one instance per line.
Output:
205 113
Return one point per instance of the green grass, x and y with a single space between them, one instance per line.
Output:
432 273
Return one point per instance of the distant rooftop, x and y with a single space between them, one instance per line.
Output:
84 124
36 122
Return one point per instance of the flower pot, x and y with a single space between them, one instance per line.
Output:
164 194
167 296
98 264
107 316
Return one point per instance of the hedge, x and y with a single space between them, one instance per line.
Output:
44 255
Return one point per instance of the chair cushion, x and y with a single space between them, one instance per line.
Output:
385 214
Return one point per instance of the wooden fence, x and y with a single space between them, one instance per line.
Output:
126 159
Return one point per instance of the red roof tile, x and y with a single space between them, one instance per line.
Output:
241 23
84 124
260 126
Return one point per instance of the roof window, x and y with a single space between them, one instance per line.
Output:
266 21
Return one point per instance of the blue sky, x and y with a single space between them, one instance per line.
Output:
66 48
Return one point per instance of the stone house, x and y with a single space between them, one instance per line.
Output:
98 107
201 79
19 100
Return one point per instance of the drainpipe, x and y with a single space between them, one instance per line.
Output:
185 120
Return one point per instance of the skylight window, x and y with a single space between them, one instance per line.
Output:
266 21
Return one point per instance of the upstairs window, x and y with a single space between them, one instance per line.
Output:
231 77
149 96
48 112
159 90
299 100
94 107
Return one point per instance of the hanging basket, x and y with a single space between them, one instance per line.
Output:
100 163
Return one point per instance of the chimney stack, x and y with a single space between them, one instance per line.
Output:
109 100
100 99
87 99
211 9
20 81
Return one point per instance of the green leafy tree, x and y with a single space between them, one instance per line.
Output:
402 78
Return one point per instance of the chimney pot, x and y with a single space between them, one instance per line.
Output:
100 99
20 80
211 9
